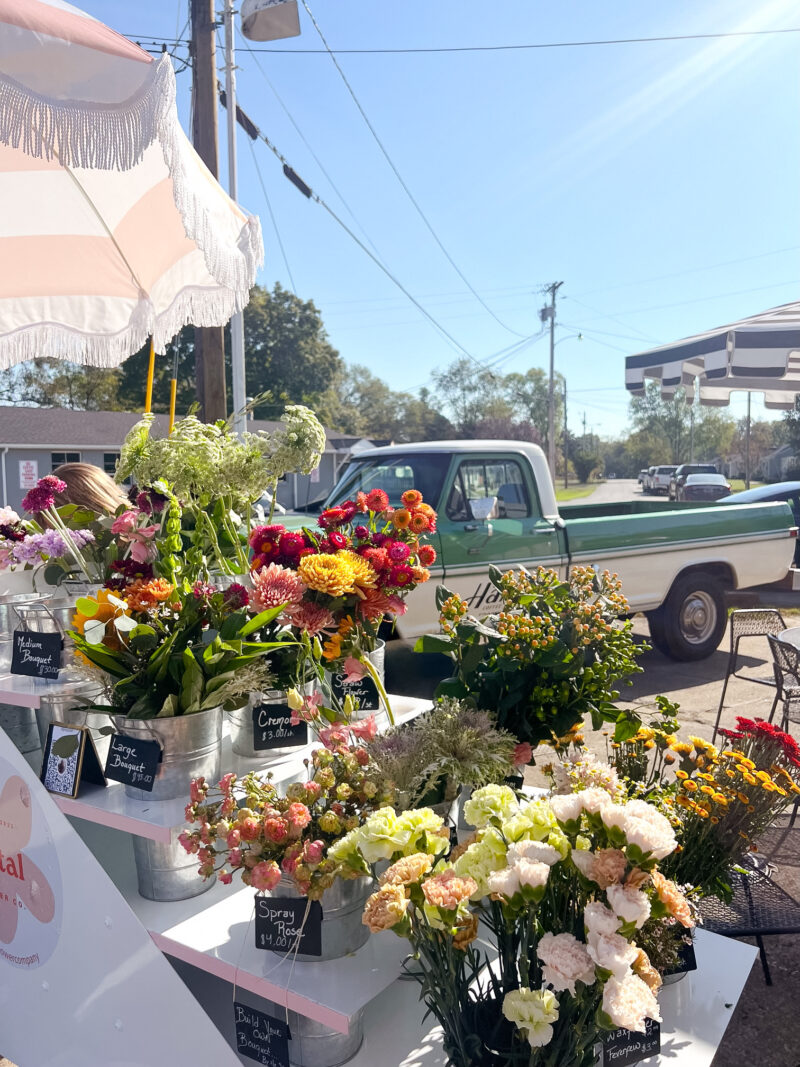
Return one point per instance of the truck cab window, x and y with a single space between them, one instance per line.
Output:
488 489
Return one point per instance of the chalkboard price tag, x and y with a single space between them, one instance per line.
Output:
278 922
69 759
621 1047
362 691
272 728
133 761
260 1037
687 961
36 655
516 781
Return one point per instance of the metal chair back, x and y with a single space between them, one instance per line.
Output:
749 622
786 661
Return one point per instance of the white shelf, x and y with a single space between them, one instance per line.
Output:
215 932
26 692
110 806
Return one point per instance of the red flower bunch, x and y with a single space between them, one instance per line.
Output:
764 738
350 573
247 827
43 495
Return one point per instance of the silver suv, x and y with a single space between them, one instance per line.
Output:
659 483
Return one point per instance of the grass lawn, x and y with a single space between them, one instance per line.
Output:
737 484
575 491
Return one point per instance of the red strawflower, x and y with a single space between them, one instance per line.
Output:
260 534
380 539
426 554
349 508
361 532
398 551
377 500
378 557
292 544
332 517
401 576
337 540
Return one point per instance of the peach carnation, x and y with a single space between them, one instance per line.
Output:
466 932
673 899
407 870
385 909
447 890
646 971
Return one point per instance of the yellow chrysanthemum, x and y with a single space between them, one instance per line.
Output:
743 798
682 775
690 786
718 798
364 574
327 573
745 762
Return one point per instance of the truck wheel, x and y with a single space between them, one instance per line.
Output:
691 622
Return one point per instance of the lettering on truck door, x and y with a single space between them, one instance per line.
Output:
491 514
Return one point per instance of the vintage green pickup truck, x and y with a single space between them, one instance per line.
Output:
497 505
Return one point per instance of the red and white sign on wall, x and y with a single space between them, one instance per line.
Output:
28 473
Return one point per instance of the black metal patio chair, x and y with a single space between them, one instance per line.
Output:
748 622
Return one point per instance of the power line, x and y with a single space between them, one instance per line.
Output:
536 45
271 213
400 179
314 155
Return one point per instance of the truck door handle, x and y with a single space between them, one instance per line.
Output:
471 527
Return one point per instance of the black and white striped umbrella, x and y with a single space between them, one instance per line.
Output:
759 354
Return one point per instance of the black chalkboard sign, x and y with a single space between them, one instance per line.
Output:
261 1037
69 759
133 761
36 655
621 1047
363 692
516 781
687 961
272 728
278 922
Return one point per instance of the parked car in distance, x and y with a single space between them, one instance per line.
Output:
683 472
648 479
642 476
659 483
765 494
704 487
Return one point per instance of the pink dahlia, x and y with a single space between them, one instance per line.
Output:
274 585
311 618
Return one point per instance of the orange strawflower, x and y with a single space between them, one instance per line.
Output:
412 498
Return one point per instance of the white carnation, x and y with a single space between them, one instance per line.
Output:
612 952
533 850
531 872
598 919
504 882
566 961
584 861
630 905
593 800
566 808
647 828
614 815
629 1002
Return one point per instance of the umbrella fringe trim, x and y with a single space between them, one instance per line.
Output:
202 307
87 135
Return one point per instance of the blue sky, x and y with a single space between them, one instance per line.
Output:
658 181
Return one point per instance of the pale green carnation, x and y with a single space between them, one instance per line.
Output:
490 802
382 835
533 1011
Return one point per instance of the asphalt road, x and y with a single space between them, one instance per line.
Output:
765 1025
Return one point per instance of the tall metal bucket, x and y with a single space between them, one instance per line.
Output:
312 1044
342 907
167 871
190 748
64 703
20 725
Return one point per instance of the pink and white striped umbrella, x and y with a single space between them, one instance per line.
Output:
111 227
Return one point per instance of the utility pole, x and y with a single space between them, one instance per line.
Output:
237 320
549 312
209 341
566 440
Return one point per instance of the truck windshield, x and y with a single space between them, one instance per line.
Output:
394 474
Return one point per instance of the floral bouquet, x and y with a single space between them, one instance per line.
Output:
338 583
217 476
551 656
562 886
249 828
161 654
725 799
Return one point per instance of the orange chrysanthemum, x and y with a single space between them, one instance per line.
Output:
144 596
401 519
412 498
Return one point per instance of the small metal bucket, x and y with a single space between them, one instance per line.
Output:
190 748
241 725
9 602
167 871
378 659
48 617
313 1044
342 907
20 725
64 705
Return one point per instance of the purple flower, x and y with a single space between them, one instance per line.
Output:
235 597
361 532
203 591
43 495
150 502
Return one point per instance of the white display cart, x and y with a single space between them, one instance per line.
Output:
210 939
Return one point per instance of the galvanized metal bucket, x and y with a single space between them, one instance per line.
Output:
20 725
241 725
166 871
378 660
64 704
190 747
342 907
9 620
313 1044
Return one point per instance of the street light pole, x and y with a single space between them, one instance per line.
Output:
549 312
237 320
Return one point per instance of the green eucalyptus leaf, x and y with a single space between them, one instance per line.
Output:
66 746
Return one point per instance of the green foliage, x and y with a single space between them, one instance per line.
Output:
66 746
585 464
551 656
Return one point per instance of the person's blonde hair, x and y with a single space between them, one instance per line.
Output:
89 487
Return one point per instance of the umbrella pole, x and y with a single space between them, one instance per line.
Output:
151 367
747 447
173 389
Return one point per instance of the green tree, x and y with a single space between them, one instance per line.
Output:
59 384
667 420
133 376
714 434
360 403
